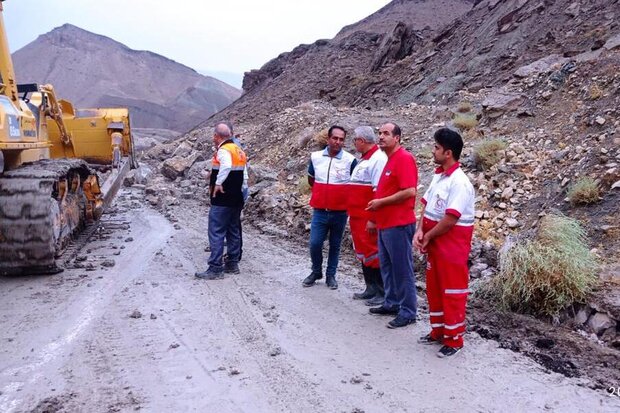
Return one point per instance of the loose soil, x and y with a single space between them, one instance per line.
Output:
130 328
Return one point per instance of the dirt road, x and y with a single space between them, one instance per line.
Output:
146 335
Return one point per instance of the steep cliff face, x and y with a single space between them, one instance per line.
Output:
93 70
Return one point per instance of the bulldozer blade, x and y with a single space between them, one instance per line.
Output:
113 182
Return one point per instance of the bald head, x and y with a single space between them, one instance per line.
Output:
223 130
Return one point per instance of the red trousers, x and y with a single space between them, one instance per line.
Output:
364 243
447 279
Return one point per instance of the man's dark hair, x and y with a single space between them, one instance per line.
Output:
329 132
396 131
449 139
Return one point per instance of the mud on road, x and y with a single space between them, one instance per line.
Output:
130 328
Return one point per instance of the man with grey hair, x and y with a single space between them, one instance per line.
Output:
364 180
225 189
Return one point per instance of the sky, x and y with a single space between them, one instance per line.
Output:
223 37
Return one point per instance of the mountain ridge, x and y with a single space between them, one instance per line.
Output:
90 69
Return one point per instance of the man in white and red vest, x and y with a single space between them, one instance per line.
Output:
445 234
362 186
329 171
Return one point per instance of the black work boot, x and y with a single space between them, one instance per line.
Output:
231 268
210 274
377 280
311 279
377 299
331 282
371 289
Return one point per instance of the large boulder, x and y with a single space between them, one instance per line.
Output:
138 176
200 171
176 166
544 65
184 149
394 47
258 173
600 322
501 101
613 42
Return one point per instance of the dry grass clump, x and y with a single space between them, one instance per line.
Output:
303 186
584 191
321 138
595 92
546 274
464 118
464 107
489 152
465 121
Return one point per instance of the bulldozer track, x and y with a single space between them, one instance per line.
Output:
76 245
30 235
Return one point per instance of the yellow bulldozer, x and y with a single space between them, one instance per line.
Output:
50 166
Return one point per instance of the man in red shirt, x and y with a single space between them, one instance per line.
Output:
395 220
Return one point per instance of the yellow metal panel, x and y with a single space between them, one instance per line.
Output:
91 134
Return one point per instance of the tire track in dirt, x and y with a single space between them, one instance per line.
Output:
163 359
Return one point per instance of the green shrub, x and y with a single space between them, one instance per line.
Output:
489 152
584 191
545 274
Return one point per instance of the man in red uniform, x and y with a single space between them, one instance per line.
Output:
445 234
395 219
362 186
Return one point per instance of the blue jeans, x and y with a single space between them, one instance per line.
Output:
224 224
396 260
324 222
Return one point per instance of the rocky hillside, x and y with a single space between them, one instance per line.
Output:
96 71
413 51
418 14
329 69
484 48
